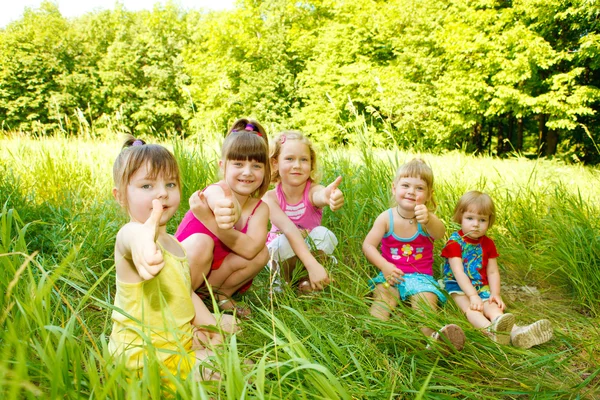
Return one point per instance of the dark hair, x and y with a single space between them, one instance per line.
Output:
134 154
247 140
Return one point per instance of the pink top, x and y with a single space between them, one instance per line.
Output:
191 225
303 214
413 254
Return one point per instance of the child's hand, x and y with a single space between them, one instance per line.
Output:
494 298
146 256
393 275
476 303
200 207
422 214
318 277
227 209
334 195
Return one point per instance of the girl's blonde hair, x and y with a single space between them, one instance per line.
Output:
280 139
135 153
247 140
475 202
418 168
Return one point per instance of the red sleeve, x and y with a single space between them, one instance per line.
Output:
452 249
489 248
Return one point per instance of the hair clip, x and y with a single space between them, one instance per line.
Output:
251 127
283 139
137 142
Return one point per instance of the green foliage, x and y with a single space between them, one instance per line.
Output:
56 303
488 77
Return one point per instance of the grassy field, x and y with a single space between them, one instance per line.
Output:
58 223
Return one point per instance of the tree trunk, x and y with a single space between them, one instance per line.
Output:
551 142
500 144
542 133
519 144
477 139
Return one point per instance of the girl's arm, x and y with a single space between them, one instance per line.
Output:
434 226
493 274
369 248
465 283
246 245
316 272
137 257
331 195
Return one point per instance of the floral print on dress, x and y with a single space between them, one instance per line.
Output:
394 253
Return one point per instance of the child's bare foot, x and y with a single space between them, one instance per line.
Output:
499 330
451 335
531 335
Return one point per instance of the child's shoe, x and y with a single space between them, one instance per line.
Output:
531 335
450 334
501 328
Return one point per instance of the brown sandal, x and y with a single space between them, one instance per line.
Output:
239 310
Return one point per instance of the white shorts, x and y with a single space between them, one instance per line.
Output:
320 238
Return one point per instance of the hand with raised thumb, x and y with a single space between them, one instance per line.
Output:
227 209
422 213
334 194
146 256
200 208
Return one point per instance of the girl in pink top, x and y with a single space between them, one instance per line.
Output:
296 208
406 233
225 231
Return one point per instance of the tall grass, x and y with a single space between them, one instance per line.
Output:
57 229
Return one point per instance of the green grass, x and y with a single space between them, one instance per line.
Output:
57 228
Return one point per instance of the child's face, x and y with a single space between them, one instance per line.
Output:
244 177
141 190
293 163
410 191
474 225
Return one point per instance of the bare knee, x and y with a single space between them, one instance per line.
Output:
199 249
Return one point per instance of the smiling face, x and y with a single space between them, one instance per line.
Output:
410 191
473 224
142 189
294 163
244 177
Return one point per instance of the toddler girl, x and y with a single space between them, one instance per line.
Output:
224 232
154 308
406 233
296 209
472 278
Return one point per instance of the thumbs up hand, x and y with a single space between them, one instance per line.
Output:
146 255
422 214
334 195
227 209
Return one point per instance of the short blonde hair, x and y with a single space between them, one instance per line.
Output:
418 168
476 202
134 154
280 139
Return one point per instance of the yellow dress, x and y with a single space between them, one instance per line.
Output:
156 316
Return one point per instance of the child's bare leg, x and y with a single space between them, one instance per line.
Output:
422 303
384 300
199 248
476 318
491 310
202 371
236 271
